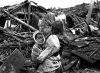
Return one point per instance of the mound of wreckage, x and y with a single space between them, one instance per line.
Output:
81 41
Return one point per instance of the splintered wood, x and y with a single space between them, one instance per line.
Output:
13 63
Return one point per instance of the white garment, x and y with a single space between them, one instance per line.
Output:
39 23
73 31
61 17
53 40
8 24
51 63
93 28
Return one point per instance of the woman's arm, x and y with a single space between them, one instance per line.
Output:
45 53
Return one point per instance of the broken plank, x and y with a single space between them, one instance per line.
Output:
13 63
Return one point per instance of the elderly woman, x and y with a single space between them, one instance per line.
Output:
49 58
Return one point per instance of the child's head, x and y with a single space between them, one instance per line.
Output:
38 37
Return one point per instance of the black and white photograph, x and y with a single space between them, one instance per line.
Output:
50 36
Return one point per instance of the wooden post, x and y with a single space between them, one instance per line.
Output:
29 10
89 14
98 14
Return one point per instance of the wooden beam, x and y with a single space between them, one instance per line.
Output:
89 16
18 20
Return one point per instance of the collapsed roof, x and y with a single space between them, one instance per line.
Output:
16 7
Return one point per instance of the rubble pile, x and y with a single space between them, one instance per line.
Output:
81 49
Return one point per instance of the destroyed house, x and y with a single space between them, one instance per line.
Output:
77 14
24 11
